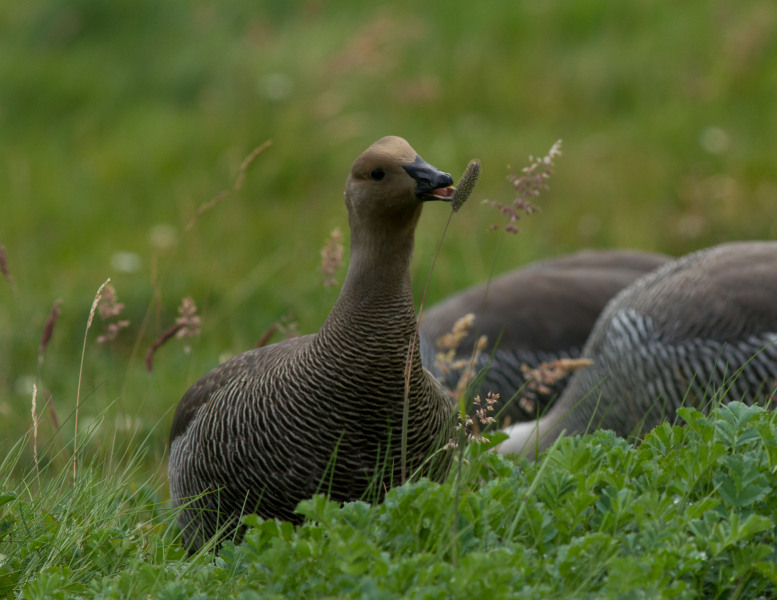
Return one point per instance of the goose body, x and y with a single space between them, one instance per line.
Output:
323 412
677 336
534 314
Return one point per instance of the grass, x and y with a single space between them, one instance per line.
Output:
60 529
688 513
119 120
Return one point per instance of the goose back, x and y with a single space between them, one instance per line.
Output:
701 325
538 313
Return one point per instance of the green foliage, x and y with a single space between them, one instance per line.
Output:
604 519
687 513
58 532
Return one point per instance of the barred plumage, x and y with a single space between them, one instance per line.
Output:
701 327
323 412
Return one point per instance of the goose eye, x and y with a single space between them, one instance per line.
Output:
377 174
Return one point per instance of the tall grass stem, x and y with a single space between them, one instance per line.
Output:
411 355
35 432
95 302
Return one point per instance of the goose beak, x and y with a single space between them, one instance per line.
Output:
431 183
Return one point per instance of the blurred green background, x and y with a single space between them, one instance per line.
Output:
118 119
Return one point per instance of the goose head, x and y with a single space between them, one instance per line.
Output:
387 186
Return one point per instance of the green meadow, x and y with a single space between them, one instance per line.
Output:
124 132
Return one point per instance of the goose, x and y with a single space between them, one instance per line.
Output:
699 329
534 314
324 412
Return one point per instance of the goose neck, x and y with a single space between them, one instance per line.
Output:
376 298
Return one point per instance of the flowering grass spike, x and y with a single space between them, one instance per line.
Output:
186 325
110 308
331 257
465 185
528 186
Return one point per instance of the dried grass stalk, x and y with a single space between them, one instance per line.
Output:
48 329
205 207
35 432
97 297
158 343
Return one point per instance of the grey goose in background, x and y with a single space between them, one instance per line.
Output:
537 313
323 412
698 327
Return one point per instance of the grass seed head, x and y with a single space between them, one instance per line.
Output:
109 305
188 321
110 308
548 373
465 185
452 339
48 329
331 257
484 408
446 359
527 186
